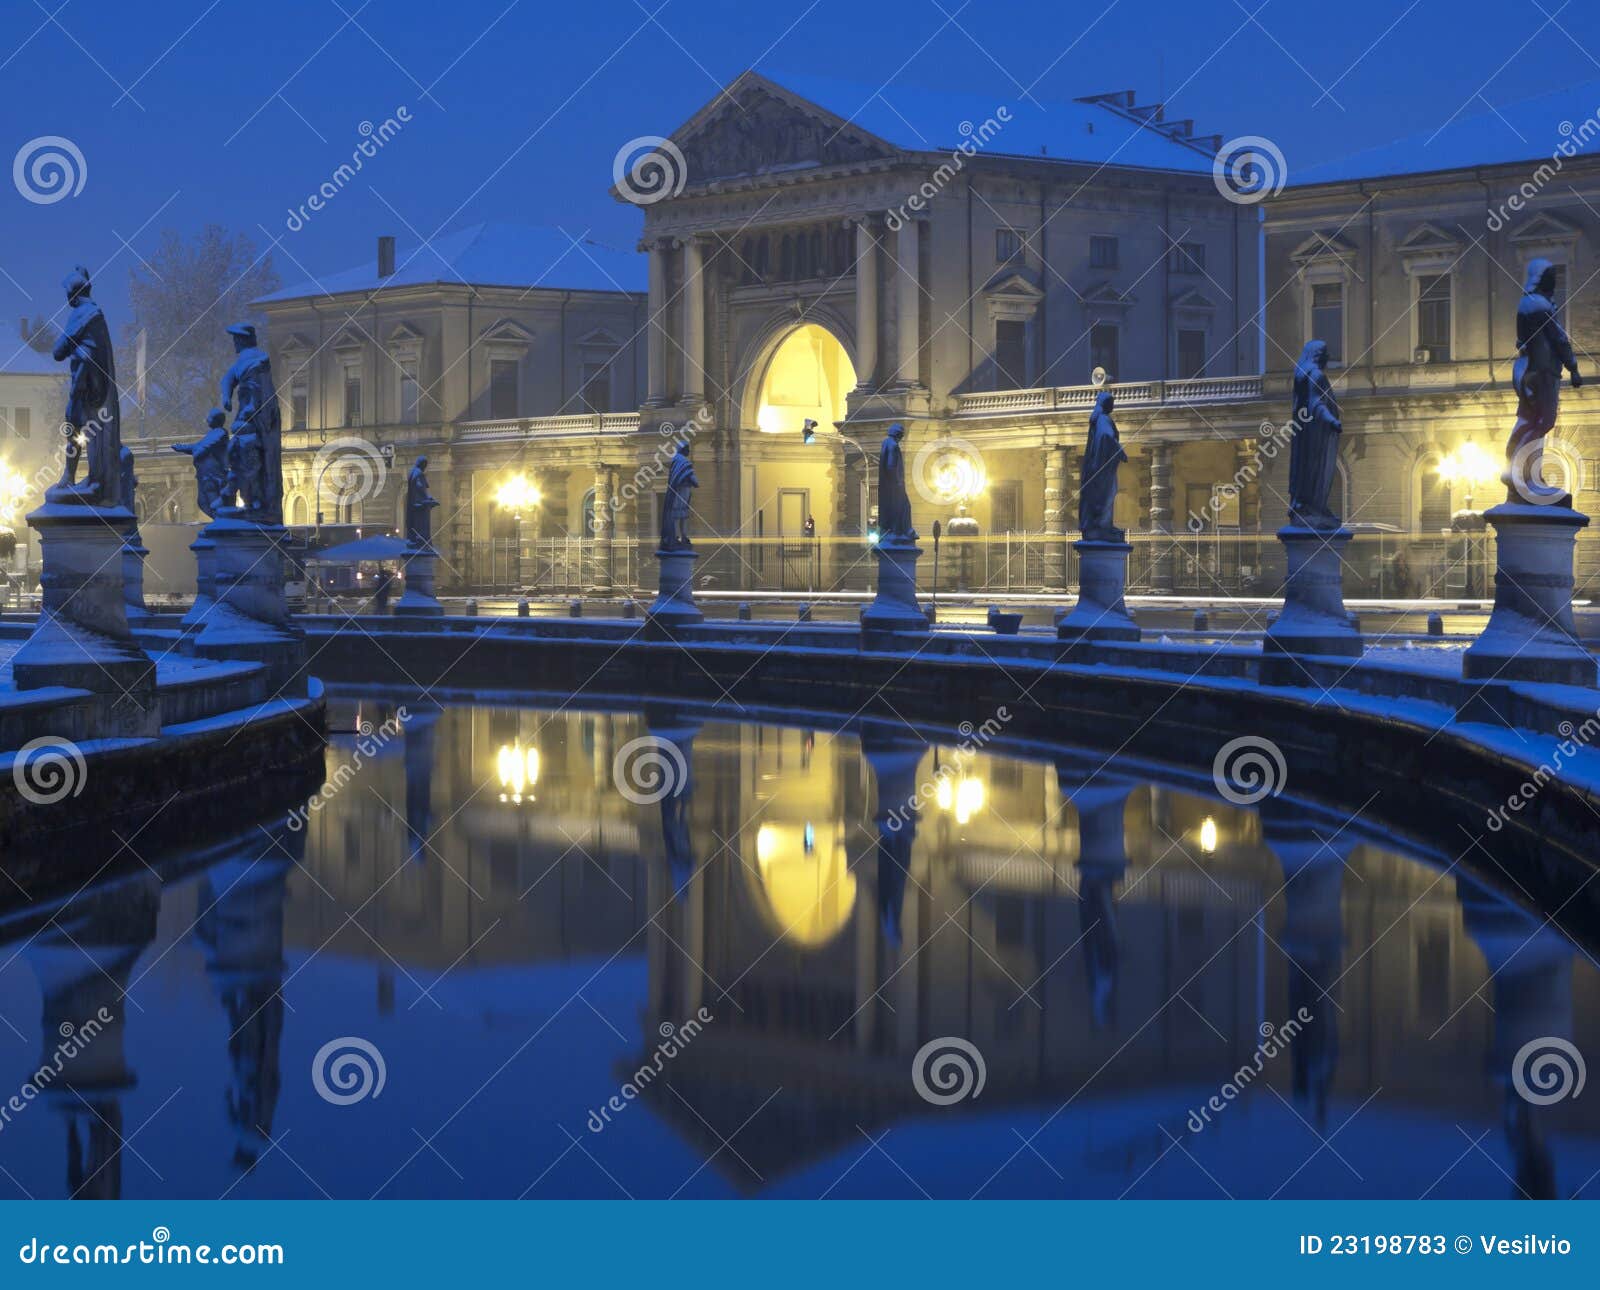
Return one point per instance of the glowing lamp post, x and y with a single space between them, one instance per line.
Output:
517 496
1470 467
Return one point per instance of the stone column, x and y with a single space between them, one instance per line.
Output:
656 383
1161 518
866 303
600 539
908 303
694 320
1057 489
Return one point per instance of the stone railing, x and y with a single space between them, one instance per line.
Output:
588 423
1079 398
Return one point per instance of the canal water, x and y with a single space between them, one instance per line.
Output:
491 959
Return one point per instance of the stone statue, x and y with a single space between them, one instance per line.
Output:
1314 451
675 512
256 423
419 506
1097 487
210 456
1543 351
92 423
894 505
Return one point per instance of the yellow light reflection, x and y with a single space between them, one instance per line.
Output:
518 771
1208 835
963 794
809 893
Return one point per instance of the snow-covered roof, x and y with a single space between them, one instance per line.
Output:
18 358
939 120
1529 130
490 255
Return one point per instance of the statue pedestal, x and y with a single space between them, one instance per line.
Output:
1314 621
1530 635
82 638
205 582
895 608
417 601
134 552
248 621
674 603
1100 614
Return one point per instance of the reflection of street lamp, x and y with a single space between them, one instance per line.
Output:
957 476
517 496
518 771
13 494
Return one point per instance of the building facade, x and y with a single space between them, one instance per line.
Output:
32 395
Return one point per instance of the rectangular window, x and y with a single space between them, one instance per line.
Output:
1005 506
503 387
352 399
300 407
1103 347
1191 354
1327 317
1011 354
595 390
20 422
410 392
1102 252
1189 257
1433 317
1008 243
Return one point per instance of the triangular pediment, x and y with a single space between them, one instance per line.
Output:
755 126
295 344
1428 238
1106 296
405 334
1324 246
1543 229
349 339
599 338
1013 286
508 331
1192 301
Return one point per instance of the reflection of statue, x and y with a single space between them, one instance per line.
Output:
210 456
894 505
419 506
675 512
1543 351
1097 487
259 469
93 413
1314 452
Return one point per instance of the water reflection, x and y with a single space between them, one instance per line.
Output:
479 902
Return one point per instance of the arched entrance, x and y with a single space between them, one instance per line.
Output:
808 377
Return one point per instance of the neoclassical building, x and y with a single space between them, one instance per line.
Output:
32 393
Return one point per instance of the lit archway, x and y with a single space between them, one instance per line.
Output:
802 881
808 377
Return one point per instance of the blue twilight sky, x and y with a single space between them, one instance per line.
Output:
188 111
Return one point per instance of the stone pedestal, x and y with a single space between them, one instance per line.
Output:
205 583
1314 621
134 552
248 621
895 608
1530 635
82 638
417 601
674 603
1100 614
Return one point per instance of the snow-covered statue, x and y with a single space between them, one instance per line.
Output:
681 482
210 455
1314 451
256 464
1543 353
1097 486
419 506
894 504
92 423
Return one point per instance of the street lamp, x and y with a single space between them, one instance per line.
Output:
1469 465
518 496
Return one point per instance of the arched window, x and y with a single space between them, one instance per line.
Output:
1434 505
299 511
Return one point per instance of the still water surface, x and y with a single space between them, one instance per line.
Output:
475 900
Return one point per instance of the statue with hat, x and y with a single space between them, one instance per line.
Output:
92 422
255 457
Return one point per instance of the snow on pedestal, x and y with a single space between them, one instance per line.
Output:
205 581
895 608
1530 635
418 600
674 603
1101 613
1314 621
249 619
82 638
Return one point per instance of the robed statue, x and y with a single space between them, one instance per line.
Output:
1543 353
1097 486
1314 451
419 506
210 455
681 482
92 423
894 504
255 458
